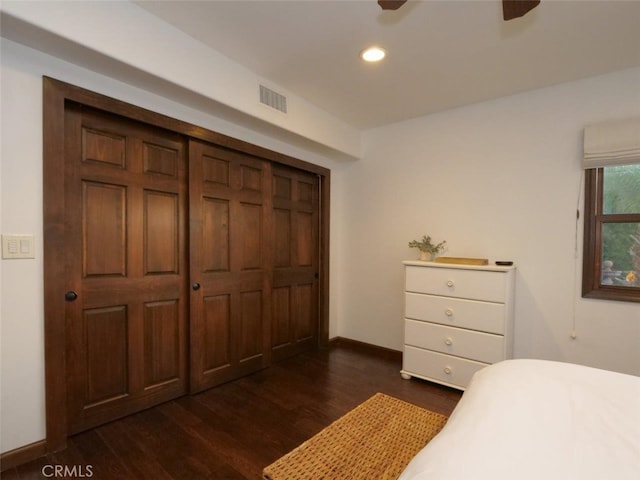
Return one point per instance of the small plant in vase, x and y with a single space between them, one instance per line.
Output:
427 248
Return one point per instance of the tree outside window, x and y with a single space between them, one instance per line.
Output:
612 233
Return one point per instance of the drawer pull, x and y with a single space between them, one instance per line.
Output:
448 341
448 312
447 370
450 283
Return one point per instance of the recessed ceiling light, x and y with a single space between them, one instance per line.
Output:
373 54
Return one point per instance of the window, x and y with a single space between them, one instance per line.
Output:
611 264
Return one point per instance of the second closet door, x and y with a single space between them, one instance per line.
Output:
229 212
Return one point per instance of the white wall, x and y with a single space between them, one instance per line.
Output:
501 180
21 282
145 47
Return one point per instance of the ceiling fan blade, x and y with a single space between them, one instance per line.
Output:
391 4
517 8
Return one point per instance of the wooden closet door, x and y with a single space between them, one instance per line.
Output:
126 267
295 266
230 264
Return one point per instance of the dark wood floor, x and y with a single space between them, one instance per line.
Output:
233 431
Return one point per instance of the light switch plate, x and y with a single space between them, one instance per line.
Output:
18 246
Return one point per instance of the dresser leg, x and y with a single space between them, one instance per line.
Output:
405 376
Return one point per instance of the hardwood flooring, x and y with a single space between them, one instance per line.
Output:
233 431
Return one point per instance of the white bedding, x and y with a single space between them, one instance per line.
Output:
538 420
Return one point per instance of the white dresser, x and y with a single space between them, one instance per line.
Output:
457 319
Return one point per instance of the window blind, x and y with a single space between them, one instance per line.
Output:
612 143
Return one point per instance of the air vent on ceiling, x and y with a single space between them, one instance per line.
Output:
273 99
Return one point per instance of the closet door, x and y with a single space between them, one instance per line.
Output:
125 267
295 302
230 264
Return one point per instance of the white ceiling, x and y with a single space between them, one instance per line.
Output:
441 53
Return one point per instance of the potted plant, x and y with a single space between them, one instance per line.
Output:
427 248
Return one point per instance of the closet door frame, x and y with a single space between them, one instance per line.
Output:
55 95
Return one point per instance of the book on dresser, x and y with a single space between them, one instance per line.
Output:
457 320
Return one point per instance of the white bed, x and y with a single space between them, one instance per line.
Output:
538 420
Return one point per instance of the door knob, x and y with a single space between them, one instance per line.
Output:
70 296
196 286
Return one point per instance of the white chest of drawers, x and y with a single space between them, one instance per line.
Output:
457 320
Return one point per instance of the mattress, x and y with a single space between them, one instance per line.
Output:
538 420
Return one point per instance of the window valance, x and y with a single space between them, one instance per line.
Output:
612 143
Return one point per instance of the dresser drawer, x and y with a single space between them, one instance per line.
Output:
455 312
484 285
484 347
438 367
